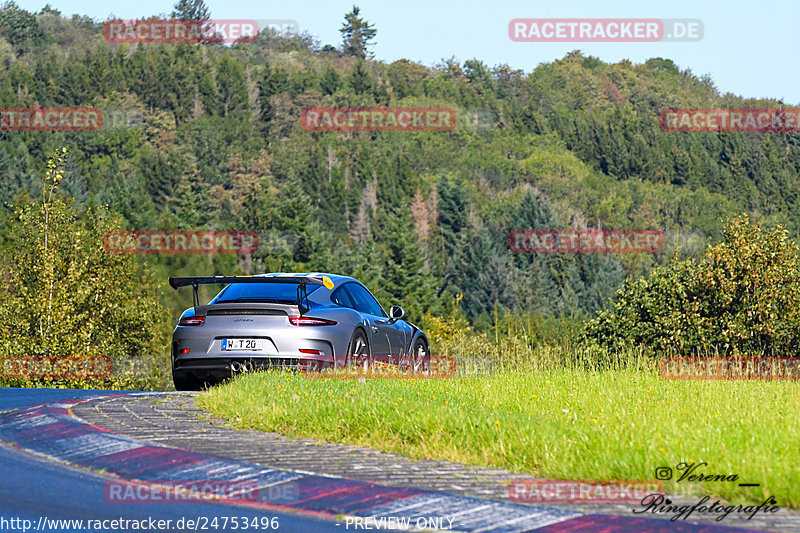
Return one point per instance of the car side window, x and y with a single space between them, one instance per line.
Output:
340 297
363 300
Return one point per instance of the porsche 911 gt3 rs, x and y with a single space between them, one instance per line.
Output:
302 321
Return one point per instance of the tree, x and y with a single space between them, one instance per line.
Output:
231 95
65 296
356 34
741 298
331 81
50 10
406 280
195 10
452 217
19 27
360 79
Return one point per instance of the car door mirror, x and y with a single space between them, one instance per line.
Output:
396 312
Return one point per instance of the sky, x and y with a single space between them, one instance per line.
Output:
748 48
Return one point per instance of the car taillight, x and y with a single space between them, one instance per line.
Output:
192 321
309 321
310 351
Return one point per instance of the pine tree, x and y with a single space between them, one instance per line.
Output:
407 281
482 271
231 89
360 80
331 81
195 10
356 34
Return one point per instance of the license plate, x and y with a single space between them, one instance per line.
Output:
242 344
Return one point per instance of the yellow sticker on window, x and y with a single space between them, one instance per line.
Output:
327 282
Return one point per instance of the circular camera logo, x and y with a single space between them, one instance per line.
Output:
663 473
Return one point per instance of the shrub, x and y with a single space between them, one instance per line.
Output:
65 296
741 297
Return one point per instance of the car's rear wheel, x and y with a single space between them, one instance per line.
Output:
358 355
187 382
421 357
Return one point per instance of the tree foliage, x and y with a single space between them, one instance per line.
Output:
356 34
742 297
195 10
65 296
421 217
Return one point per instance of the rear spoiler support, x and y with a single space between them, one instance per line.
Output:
302 298
302 294
195 298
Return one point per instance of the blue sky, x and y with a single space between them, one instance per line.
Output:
748 47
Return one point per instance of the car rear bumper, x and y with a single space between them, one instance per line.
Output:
224 366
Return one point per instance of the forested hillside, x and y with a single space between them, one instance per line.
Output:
215 142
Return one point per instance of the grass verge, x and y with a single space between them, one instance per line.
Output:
563 423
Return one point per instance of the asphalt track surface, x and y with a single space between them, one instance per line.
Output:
32 488
54 466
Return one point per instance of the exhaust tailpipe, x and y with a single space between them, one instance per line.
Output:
238 367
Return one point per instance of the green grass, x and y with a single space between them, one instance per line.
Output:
564 423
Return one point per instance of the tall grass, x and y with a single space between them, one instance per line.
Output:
564 410
555 417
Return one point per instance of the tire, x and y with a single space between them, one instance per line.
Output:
358 355
187 382
421 357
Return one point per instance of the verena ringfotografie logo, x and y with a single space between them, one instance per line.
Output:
604 30
758 120
739 368
559 491
54 367
378 119
181 242
585 241
50 119
180 31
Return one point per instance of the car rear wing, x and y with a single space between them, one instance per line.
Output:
301 281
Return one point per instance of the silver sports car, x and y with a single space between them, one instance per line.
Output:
303 321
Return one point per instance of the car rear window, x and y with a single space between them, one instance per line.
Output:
261 292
